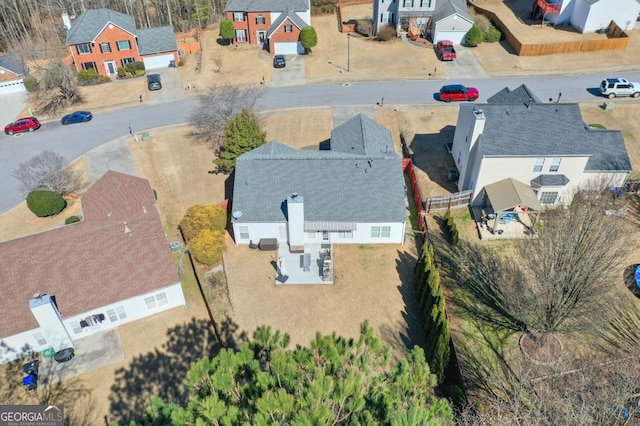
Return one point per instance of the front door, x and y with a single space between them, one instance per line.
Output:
262 37
110 66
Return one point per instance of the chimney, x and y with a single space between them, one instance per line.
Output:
295 222
66 21
45 310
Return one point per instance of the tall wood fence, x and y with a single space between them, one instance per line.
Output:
188 42
616 39
347 27
409 169
446 202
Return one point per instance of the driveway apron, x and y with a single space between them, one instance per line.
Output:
294 74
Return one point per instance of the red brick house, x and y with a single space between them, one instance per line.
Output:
106 40
273 24
12 70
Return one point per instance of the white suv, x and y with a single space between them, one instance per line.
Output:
612 87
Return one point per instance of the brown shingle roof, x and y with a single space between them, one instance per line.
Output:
92 263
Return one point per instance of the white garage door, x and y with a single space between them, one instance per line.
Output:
160 61
13 86
457 37
290 48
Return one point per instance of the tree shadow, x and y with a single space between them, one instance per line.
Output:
223 41
162 372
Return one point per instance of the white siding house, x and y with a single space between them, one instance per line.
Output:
593 15
548 146
353 193
113 267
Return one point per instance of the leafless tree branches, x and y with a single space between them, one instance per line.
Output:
48 170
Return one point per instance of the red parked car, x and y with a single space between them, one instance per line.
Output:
445 50
25 124
458 92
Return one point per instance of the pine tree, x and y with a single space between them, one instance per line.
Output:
241 134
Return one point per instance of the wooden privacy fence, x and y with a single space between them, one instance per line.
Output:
409 169
616 39
188 42
347 27
632 186
446 202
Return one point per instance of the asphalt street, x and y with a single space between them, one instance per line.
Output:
78 139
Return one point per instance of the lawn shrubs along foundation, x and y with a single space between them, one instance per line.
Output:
45 203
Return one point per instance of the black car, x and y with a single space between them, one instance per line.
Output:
153 82
279 61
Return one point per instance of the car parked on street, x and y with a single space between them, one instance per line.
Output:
76 117
613 87
24 124
445 50
154 82
279 61
458 92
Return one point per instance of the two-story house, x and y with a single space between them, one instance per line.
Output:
438 19
588 15
274 25
106 40
12 70
545 145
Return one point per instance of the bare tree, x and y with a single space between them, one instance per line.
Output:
217 106
48 170
57 89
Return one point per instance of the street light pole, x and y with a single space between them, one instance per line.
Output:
348 51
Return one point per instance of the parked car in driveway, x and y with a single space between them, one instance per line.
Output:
153 82
24 124
76 117
445 50
458 92
279 61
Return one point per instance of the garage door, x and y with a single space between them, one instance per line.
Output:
13 86
290 48
160 61
455 36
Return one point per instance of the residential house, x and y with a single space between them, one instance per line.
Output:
12 71
273 25
106 40
588 15
352 193
545 145
438 19
113 267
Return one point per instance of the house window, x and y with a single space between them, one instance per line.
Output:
116 314
83 49
538 166
548 197
555 164
325 235
238 16
288 28
161 298
380 231
241 35
150 302
244 232
407 3
345 235
88 66
75 326
260 20
123 45
386 17
105 47
126 61
40 339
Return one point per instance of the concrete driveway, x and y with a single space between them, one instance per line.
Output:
172 87
465 66
10 107
294 74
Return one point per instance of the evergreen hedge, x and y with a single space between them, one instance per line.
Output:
45 203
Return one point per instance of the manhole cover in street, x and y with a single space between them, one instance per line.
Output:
346 84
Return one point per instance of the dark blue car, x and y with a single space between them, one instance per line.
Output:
76 117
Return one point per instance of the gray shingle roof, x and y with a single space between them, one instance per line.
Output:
291 15
445 8
265 5
90 24
13 63
156 40
337 187
362 136
550 130
520 95
550 180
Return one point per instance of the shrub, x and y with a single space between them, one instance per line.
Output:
207 247
364 27
71 219
319 7
474 37
88 75
45 203
181 63
122 72
203 216
492 34
386 33
30 83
